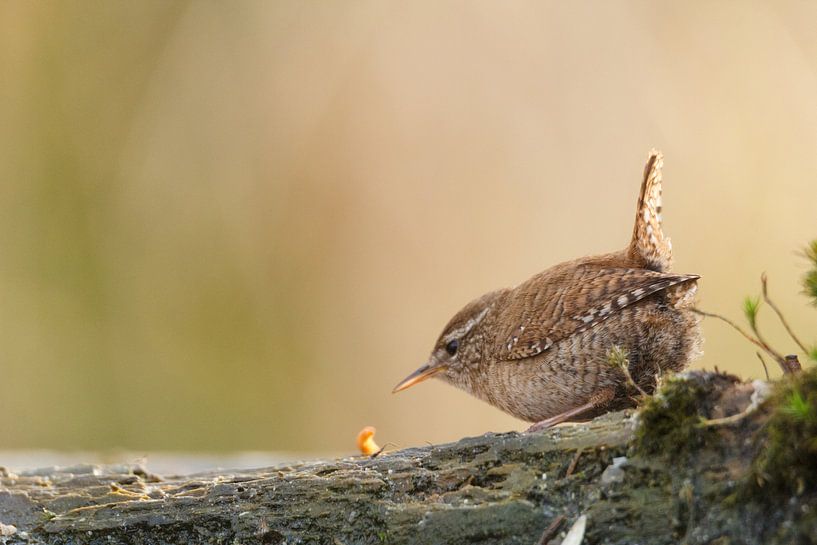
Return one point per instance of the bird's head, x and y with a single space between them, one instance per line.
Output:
461 346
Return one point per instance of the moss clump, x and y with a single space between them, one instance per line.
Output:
785 461
669 421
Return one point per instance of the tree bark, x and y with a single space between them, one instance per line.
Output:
671 474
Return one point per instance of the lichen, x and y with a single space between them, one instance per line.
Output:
787 446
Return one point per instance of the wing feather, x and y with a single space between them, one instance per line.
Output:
559 302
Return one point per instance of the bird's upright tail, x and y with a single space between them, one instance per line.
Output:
649 245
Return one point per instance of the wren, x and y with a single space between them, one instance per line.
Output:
541 350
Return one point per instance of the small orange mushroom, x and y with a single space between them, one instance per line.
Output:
365 442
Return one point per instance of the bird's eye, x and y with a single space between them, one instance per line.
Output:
452 346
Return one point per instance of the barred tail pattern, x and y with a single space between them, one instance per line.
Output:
649 245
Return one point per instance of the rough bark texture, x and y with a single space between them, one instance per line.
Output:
684 481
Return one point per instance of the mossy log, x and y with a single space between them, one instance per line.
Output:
672 473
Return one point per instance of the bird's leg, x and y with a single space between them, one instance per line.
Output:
596 400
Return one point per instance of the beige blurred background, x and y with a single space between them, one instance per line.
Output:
235 226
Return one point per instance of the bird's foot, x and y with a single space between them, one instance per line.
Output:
597 400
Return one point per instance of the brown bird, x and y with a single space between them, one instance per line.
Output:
542 351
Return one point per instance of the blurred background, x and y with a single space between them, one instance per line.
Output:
232 227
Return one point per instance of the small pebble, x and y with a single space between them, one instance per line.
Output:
613 473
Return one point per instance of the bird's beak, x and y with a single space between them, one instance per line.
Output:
419 375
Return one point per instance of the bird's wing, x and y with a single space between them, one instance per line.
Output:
557 303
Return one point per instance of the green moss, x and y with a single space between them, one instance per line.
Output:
797 406
618 357
669 420
788 445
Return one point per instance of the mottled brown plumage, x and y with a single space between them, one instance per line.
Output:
540 351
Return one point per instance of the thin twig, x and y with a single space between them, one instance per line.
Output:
632 382
763 362
573 463
390 444
551 530
755 400
778 356
731 419
726 420
620 358
766 348
780 314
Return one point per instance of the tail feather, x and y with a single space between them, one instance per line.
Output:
649 246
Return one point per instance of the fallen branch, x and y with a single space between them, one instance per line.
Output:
496 488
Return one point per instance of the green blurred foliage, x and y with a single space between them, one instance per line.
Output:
236 226
128 320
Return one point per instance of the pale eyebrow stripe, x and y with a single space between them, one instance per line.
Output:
469 325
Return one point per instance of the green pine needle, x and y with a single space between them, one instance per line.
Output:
750 306
810 280
812 353
810 283
811 252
